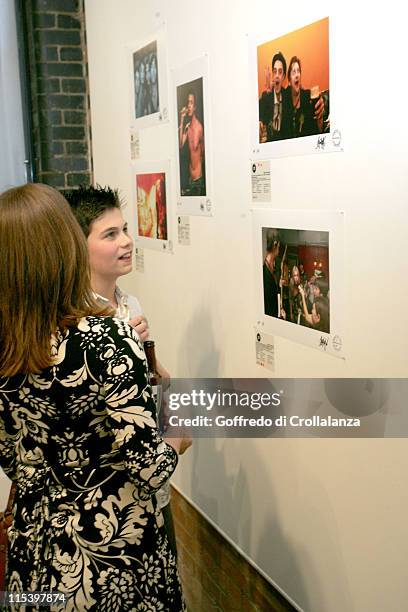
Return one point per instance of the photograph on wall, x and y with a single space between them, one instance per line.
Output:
148 89
193 180
299 276
151 205
145 80
291 93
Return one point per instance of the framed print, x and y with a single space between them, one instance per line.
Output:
148 81
194 184
293 80
299 279
153 220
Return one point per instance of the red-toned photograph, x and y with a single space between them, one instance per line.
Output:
152 205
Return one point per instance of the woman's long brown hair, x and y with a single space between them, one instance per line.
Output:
44 276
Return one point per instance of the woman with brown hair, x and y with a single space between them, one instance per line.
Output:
78 433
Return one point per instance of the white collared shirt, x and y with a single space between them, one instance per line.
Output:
128 306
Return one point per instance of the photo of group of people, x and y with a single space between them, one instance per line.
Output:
296 281
152 205
146 84
293 84
190 110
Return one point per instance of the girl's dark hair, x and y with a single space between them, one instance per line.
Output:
88 203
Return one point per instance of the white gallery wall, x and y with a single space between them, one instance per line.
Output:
325 520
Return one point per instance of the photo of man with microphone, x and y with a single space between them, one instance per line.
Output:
191 138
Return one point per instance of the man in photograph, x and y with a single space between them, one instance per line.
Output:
191 134
270 286
277 113
307 111
274 106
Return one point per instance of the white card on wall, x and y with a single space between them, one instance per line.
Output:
134 144
183 230
139 259
261 181
265 350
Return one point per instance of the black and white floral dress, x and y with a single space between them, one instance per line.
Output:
80 441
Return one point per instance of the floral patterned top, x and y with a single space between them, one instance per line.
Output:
80 441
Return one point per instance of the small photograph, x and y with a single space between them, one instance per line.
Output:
151 205
146 83
299 280
294 101
293 84
191 138
296 277
148 86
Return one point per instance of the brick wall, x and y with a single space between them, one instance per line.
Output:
214 575
58 90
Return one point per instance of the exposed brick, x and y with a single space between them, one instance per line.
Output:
52 178
57 37
48 85
71 54
45 131
264 599
68 23
65 164
65 101
43 20
78 164
58 87
68 133
209 585
214 575
63 6
231 599
208 603
73 85
186 561
48 149
74 117
73 180
48 54
64 69
192 594
50 117
76 148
